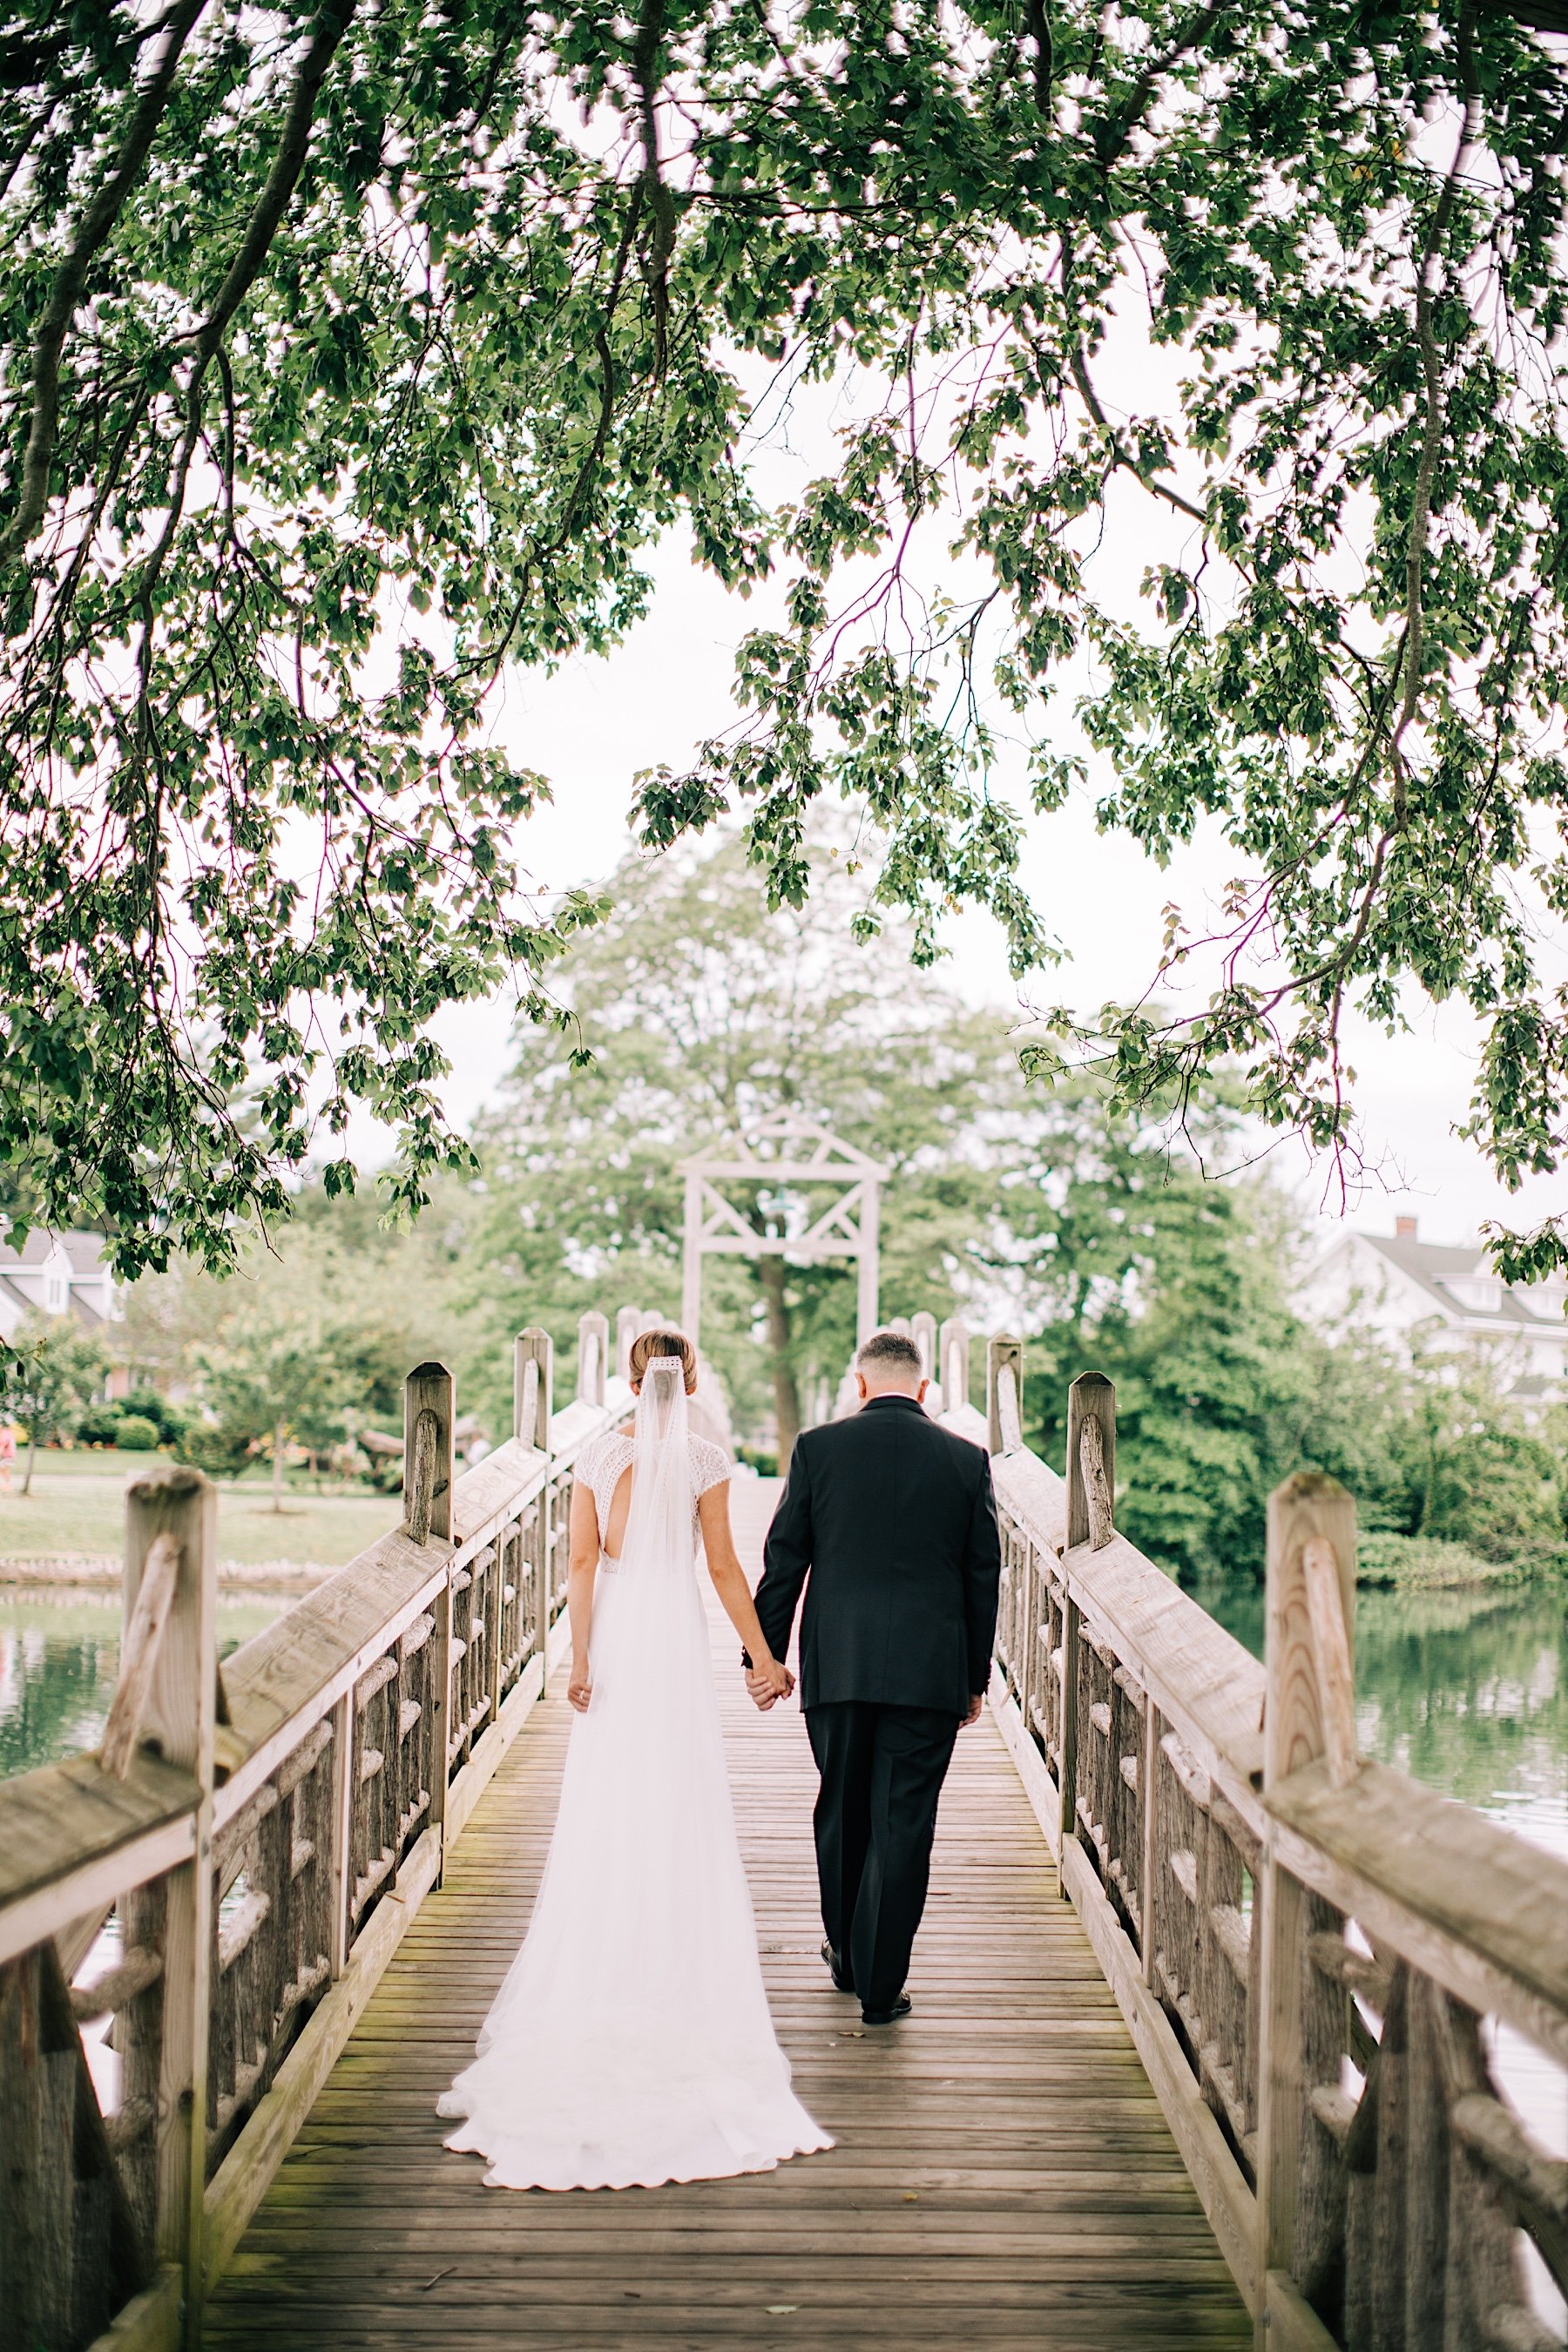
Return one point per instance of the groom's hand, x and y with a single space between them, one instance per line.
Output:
976 1704
767 1685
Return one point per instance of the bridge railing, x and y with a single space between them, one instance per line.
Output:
262 1837
1313 1953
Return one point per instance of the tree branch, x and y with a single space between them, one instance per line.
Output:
245 266
1432 376
660 203
287 165
1111 141
1037 25
96 226
1118 450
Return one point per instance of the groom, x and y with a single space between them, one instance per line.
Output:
893 1521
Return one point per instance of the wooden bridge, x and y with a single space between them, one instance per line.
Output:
1235 2086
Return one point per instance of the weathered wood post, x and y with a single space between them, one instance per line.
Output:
1091 1403
628 1323
429 1408
177 1712
1310 1582
592 1350
954 1342
533 1360
1004 1393
532 1352
922 1331
1091 1460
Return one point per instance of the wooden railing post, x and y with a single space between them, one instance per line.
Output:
1066 1737
1004 1393
533 1347
1091 1397
340 1922
1090 1400
178 1716
922 1331
535 1350
429 1407
1308 1515
593 1351
428 1403
628 1323
953 1363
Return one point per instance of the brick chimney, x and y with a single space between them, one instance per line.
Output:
1404 1229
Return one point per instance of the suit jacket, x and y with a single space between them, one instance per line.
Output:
893 1522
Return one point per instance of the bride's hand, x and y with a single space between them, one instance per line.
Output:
579 1688
770 1681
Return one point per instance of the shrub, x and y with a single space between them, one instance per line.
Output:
1427 1563
146 1405
212 1447
136 1433
100 1425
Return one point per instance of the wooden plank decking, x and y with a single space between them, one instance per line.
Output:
1002 2175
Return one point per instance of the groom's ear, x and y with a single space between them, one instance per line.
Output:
861 1390
921 1392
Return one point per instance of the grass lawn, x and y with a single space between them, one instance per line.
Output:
80 1509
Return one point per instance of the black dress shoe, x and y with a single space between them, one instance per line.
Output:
842 1980
900 2007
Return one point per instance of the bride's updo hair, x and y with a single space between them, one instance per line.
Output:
662 1341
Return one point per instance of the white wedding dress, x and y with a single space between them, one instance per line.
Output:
630 2042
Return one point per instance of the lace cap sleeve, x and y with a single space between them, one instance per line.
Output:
599 1467
710 1465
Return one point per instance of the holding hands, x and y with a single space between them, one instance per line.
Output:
768 1683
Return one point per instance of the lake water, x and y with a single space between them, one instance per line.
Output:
59 1659
1466 1691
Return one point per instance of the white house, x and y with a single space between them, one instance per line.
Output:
55 1274
1424 1293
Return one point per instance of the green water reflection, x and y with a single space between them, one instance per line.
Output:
1467 1691
58 1661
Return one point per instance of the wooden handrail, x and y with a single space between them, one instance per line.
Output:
361 1726
139 1655
1231 1855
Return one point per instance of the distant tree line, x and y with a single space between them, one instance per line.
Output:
1111 1239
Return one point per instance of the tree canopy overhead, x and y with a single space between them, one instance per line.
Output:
354 354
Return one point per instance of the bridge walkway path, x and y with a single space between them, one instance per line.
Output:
1003 2175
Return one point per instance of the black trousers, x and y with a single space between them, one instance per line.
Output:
882 1769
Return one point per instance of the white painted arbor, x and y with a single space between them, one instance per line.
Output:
797 1160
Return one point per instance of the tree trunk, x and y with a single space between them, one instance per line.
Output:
278 1431
786 1395
32 1458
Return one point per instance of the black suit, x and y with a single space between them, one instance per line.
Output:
892 1520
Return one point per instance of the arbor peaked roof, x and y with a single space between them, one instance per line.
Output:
785 1143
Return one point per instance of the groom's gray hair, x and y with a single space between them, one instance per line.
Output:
889 1348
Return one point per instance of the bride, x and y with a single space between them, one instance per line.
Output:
631 2042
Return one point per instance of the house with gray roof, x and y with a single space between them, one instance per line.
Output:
55 1274
1430 1296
